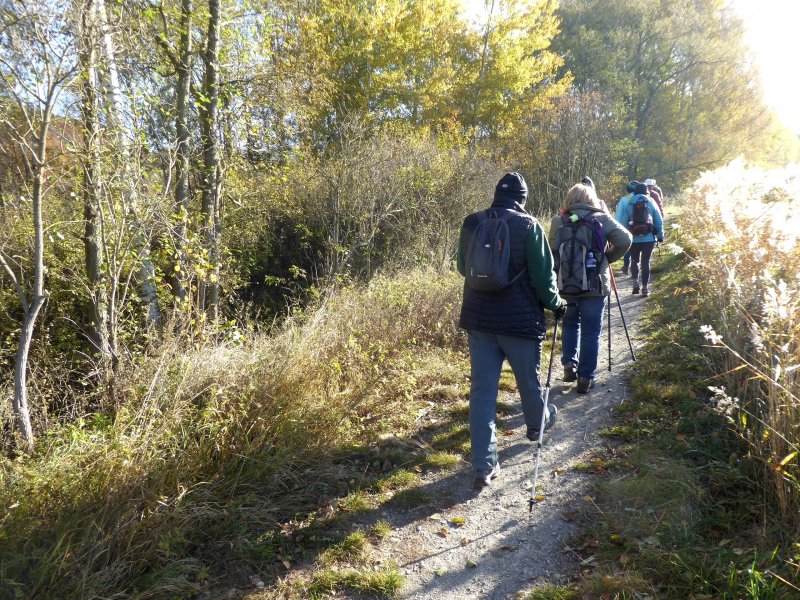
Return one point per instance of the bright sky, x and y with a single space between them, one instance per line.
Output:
773 34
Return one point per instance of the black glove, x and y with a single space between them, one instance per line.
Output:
560 311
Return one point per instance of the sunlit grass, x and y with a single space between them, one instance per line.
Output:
743 228
218 455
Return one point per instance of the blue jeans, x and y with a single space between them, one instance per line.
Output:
645 251
626 261
584 322
486 354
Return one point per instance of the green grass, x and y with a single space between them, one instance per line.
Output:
349 549
381 529
442 460
411 498
398 480
384 583
674 515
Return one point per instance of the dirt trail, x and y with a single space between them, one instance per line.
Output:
501 548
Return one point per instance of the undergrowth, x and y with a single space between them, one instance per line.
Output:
215 457
679 511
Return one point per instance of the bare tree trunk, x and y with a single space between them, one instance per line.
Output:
95 268
20 401
210 127
117 115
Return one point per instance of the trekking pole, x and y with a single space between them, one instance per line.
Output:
544 415
609 327
621 314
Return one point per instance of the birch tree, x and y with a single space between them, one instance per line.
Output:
37 64
129 174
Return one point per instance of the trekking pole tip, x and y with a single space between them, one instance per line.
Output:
530 505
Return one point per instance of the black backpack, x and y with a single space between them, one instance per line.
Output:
641 222
488 254
580 250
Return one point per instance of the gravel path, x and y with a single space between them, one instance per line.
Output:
501 548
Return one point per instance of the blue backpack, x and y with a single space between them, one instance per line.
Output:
489 252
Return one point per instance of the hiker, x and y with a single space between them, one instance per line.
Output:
583 321
588 181
655 195
630 188
506 324
643 219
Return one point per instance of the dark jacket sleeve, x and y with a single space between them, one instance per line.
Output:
540 268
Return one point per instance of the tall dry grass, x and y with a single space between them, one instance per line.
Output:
742 226
210 450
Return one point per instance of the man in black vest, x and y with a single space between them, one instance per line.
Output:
509 324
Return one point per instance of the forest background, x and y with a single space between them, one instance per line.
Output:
188 175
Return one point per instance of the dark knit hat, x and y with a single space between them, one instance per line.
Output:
631 187
640 188
588 181
512 185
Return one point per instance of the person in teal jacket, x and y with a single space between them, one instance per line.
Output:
642 247
630 188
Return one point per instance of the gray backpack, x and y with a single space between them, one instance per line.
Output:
580 250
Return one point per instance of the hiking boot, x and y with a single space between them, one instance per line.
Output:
484 479
570 373
533 432
624 271
585 384
635 289
645 291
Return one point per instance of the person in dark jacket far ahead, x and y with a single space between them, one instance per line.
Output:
509 324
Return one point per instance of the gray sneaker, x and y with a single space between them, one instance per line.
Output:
533 432
484 479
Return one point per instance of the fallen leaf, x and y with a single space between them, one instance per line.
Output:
287 564
508 432
538 497
723 543
624 560
508 548
588 499
559 470
616 539
435 517
443 531
570 515
464 541
440 572
459 521
680 437
471 564
739 551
